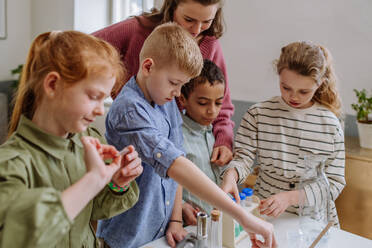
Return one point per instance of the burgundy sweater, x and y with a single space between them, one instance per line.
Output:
128 37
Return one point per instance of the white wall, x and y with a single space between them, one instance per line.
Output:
27 19
13 50
87 22
256 30
47 15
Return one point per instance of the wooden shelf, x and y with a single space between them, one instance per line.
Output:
354 151
354 204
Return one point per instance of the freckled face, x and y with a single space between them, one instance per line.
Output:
80 103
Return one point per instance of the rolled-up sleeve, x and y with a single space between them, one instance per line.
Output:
245 146
334 171
138 128
108 204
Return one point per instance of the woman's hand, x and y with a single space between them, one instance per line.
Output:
221 155
277 204
130 168
94 155
189 214
175 233
229 184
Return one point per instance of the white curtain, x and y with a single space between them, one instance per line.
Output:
122 9
158 3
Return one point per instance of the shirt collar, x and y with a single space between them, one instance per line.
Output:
296 110
194 126
133 84
48 142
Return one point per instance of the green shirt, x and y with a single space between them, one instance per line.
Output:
198 143
35 167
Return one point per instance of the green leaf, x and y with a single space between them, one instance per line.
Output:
363 107
15 71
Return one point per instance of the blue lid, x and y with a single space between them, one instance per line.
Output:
242 196
248 191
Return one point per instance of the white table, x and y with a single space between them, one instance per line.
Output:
289 223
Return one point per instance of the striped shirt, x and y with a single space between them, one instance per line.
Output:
198 144
278 137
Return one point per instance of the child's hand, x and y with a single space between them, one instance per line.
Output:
221 155
255 226
277 204
269 240
130 168
189 214
229 185
175 233
94 154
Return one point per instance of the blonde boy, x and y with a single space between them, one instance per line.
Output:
146 115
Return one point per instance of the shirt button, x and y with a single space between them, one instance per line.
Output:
161 229
167 203
158 155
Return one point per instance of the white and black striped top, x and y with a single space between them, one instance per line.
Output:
278 137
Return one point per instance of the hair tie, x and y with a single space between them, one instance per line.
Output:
54 34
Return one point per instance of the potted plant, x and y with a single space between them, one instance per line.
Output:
364 120
17 72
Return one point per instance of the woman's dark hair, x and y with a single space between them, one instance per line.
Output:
165 14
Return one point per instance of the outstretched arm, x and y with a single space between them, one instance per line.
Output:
200 185
245 152
176 232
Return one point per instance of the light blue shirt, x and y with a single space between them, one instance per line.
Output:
156 133
198 143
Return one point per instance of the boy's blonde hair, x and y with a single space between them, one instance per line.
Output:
315 61
73 55
170 44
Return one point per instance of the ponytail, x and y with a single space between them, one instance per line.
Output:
73 55
25 99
